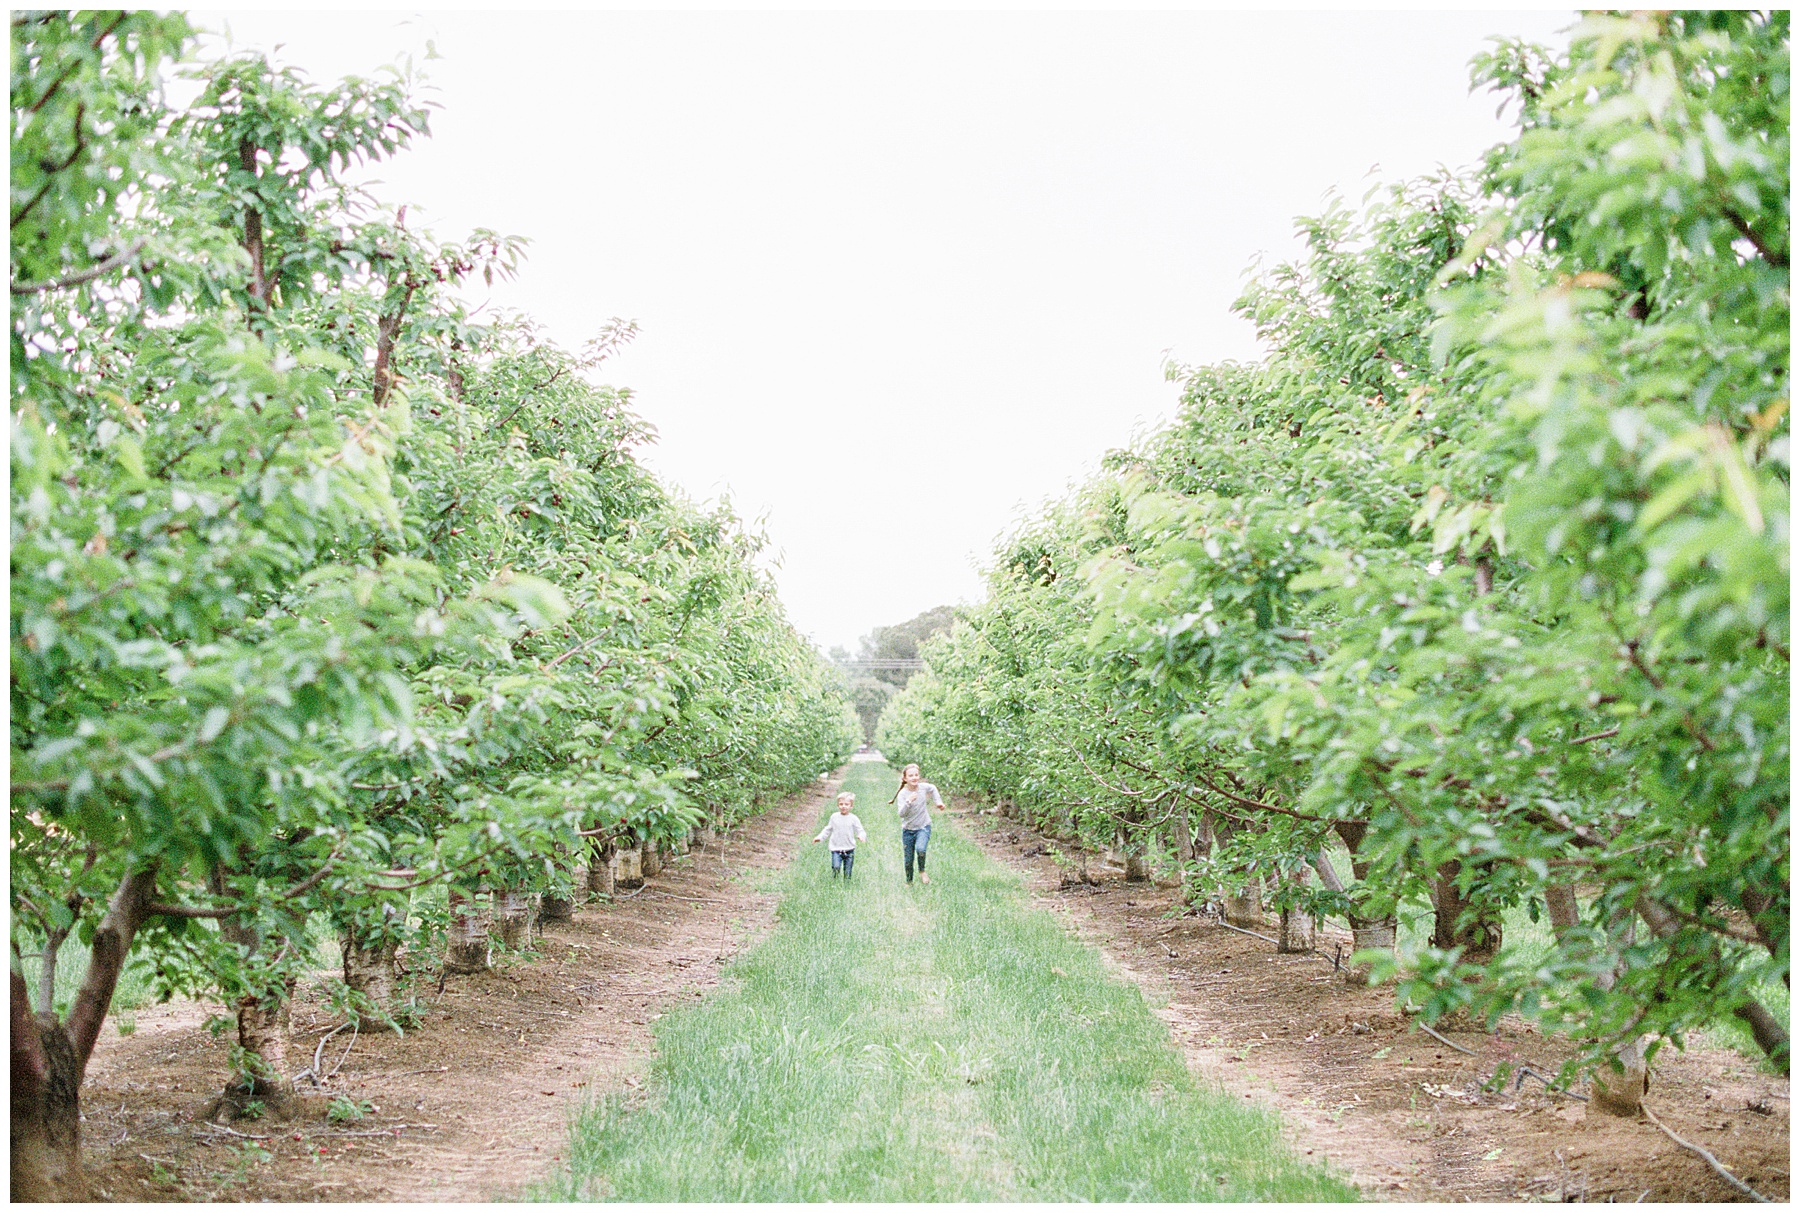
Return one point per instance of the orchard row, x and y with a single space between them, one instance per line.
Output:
336 611
1473 595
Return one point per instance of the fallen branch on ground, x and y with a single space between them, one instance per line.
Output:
355 1031
393 1132
1525 1068
1712 1162
1253 934
312 1071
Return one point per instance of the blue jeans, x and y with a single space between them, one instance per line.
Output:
915 842
844 860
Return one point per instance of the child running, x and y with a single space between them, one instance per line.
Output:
841 831
914 800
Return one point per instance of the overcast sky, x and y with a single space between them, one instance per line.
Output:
902 276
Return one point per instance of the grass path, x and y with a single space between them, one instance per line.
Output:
906 1042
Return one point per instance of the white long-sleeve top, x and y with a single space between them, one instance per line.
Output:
842 831
915 806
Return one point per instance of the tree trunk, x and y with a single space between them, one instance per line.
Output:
467 949
552 908
513 915
1372 934
1621 1092
1113 853
600 867
50 1060
1205 836
1182 829
262 1022
46 1106
1458 922
629 862
261 290
1137 863
1768 913
1768 1032
1365 933
1327 872
370 969
1563 907
263 1038
653 860
1299 929
1244 908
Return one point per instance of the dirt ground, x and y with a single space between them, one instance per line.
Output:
1405 1117
476 1103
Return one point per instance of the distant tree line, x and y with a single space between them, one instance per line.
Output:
870 689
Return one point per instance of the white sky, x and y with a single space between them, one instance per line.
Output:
901 276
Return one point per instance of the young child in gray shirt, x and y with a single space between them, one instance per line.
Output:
841 831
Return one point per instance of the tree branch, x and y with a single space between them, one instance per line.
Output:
1774 257
167 909
1656 683
88 275
1099 779
50 174
387 332
63 77
1721 928
125 913
62 785
436 876
565 656
171 910
1259 805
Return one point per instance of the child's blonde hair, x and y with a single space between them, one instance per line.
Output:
850 796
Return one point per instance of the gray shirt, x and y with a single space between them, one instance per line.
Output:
915 806
842 831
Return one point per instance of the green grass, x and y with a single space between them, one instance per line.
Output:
943 1042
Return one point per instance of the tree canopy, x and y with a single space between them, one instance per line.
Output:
325 594
1481 575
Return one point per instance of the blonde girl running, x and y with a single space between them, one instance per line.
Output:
914 801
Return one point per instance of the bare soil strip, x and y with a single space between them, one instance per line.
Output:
474 1104
1403 1115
